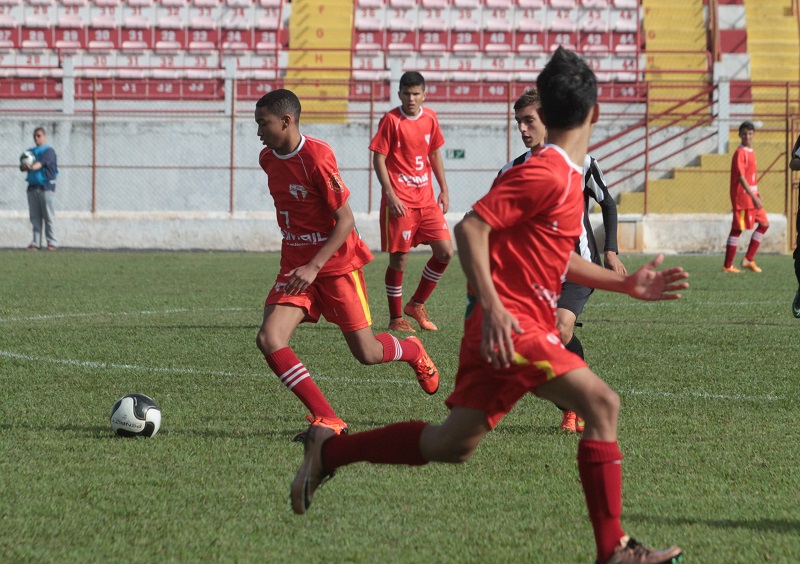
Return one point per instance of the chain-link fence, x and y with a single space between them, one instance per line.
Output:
670 154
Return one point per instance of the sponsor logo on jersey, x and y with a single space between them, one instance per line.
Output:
298 191
419 180
406 234
548 296
335 182
294 240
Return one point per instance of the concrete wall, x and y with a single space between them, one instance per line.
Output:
705 233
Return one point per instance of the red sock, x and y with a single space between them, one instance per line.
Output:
395 349
755 242
730 248
430 277
600 469
293 374
394 444
394 292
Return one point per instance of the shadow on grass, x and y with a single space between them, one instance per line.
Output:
104 431
764 525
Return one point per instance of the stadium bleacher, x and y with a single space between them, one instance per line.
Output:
459 41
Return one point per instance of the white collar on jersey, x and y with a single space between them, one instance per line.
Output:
405 115
563 153
293 153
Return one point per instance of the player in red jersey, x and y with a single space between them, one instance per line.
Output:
405 151
747 207
515 247
321 260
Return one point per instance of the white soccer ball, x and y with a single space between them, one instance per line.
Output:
27 158
135 415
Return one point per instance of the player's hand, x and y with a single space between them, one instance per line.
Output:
395 206
612 262
757 202
444 201
300 278
497 344
650 284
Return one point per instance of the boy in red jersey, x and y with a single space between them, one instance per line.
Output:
321 260
405 150
745 201
515 247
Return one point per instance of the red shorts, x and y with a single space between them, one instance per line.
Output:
418 226
539 357
746 219
341 299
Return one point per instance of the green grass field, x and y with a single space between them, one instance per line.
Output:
709 423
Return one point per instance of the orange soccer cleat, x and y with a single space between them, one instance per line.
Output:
750 265
400 324
426 371
730 269
418 312
334 423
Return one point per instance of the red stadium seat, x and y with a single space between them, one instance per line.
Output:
466 18
69 39
498 42
465 41
530 43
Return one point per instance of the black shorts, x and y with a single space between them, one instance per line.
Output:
574 297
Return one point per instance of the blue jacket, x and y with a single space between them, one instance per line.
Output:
45 177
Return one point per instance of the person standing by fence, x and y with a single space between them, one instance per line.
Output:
41 179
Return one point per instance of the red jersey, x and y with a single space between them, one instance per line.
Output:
535 211
743 163
306 187
407 141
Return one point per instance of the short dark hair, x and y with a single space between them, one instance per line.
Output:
412 78
38 129
528 98
280 102
568 90
746 125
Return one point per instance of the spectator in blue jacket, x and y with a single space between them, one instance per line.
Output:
41 179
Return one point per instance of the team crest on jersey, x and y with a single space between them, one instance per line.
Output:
335 182
406 234
298 191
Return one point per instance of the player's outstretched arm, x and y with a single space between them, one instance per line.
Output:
647 283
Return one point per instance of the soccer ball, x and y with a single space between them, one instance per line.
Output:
135 415
27 158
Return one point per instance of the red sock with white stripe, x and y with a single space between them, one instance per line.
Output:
394 292
730 248
395 349
600 469
755 242
430 277
294 375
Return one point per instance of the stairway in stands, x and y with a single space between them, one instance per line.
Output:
772 46
319 60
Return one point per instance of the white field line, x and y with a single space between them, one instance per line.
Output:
112 314
381 381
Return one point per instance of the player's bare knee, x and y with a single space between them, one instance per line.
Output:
267 343
607 402
444 255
